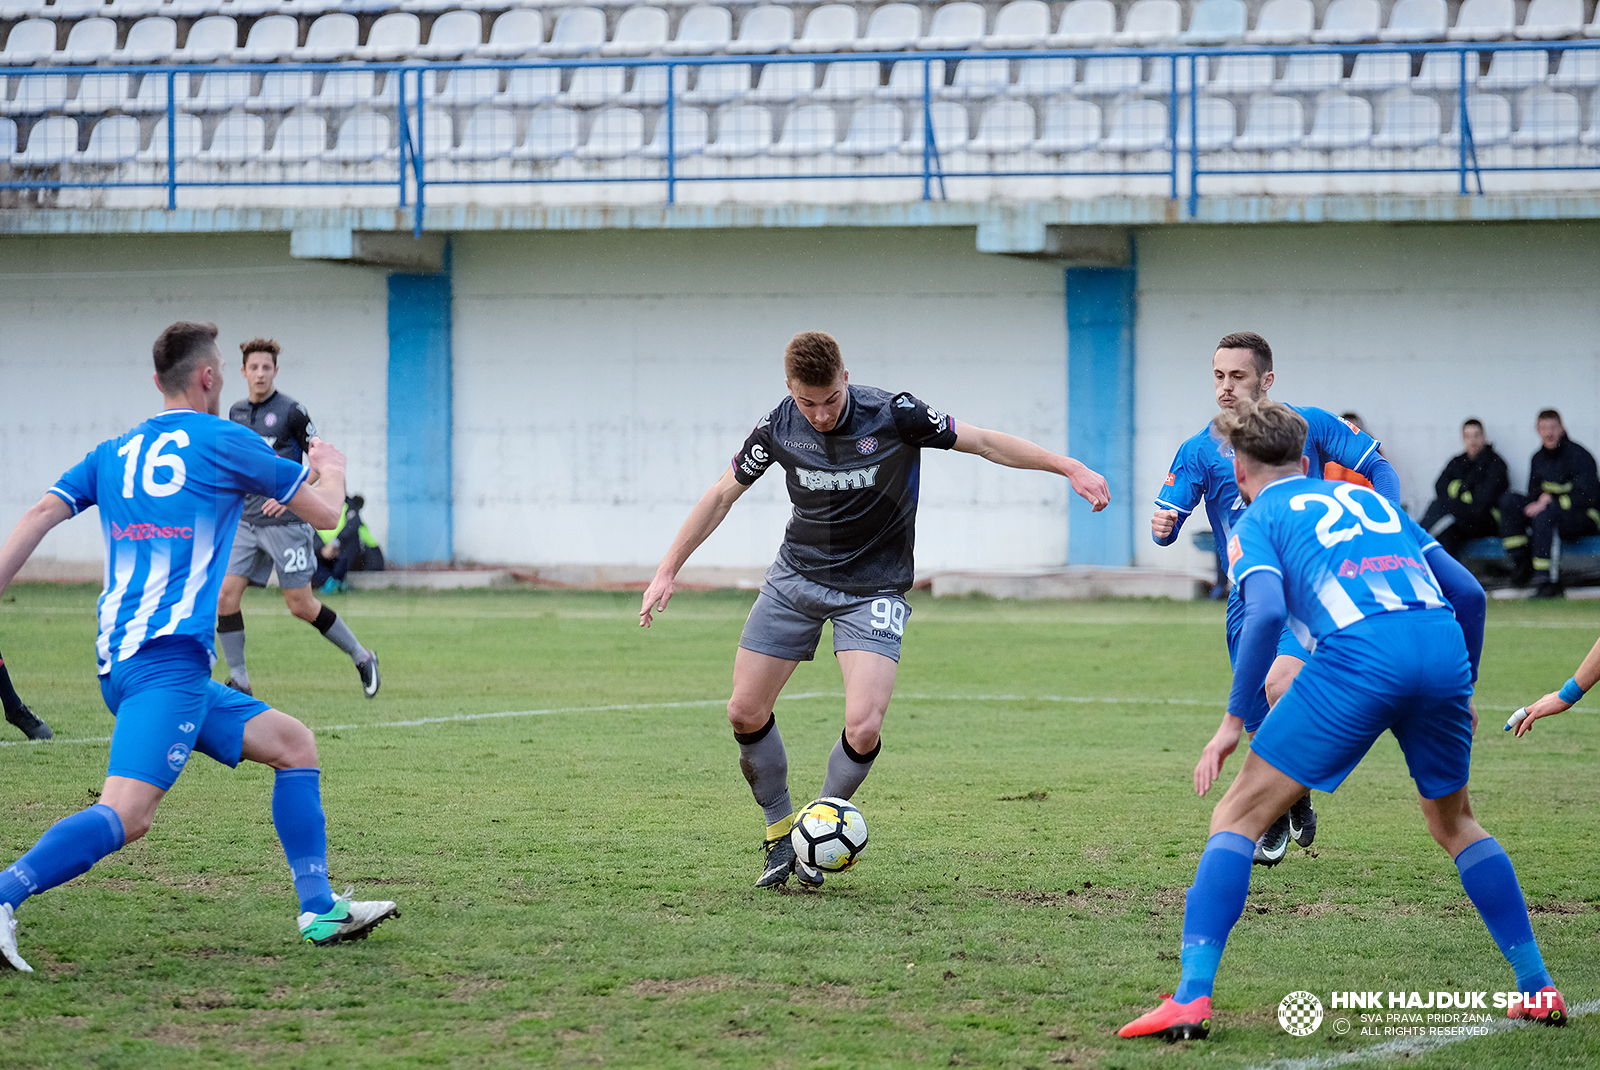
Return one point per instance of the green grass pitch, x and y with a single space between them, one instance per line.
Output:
576 883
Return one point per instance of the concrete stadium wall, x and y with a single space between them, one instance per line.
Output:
78 316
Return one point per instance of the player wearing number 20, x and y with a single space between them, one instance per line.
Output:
853 455
1396 627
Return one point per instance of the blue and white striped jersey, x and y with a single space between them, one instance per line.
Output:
169 493
1343 551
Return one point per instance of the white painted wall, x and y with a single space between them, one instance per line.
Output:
604 379
1414 327
77 319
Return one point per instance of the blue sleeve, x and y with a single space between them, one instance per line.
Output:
1264 614
76 486
1384 479
1466 597
247 464
1340 442
1181 491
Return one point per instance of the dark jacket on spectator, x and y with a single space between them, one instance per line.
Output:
1566 473
1469 488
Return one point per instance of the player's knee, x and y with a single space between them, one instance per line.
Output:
134 826
299 748
863 738
302 605
746 718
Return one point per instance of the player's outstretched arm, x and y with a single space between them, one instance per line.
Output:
320 497
1214 753
25 537
702 521
1014 452
1555 702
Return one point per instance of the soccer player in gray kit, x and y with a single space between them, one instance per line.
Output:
853 457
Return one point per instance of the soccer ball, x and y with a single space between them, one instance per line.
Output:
829 834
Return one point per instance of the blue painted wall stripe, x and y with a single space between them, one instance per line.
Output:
1100 355
421 524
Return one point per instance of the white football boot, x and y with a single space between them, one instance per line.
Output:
10 958
348 920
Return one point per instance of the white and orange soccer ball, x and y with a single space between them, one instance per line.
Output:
829 834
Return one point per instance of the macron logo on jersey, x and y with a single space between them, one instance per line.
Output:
855 479
139 532
1349 569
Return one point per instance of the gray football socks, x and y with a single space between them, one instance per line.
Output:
337 632
847 768
765 765
230 632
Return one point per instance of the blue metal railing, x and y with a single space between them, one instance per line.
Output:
1051 130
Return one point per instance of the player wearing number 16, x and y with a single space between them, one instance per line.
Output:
853 457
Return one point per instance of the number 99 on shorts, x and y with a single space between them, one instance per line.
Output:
889 615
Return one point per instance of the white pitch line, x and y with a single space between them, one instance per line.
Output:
1404 1047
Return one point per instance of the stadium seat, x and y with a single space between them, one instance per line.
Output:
891 28
526 86
394 36
1215 124
1515 70
1377 71
425 7
847 81
955 26
363 136
979 79
272 38
1489 116
1416 20
490 134
455 34
281 91
345 89
331 37
594 86
1311 74
77 9
99 93
114 140
742 130
1484 20
650 86
874 130
719 83
51 141
220 92
704 30
617 133
1006 127
552 134
1110 75
810 130
784 82
434 134
1341 122
152 93
905 79
1272 123
691 129
1549 20
1410 121
464 88
579 31
8 138
22 9
1020 24
88 42
1441 71
830 28
1349 21
212 38
1593 28
1159 82
1045 77
37 94
641 31
1549 119
187 140
300 138
1283 22
237 139
1069 126
768 28
1150 22
514 35
1216 22
1579 70
1085 24
951 128
1137 126
1240 74
29 42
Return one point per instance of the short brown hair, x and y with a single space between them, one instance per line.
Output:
812 358
1257 345
260 345
179 349
1472 421
1266 431
1551 414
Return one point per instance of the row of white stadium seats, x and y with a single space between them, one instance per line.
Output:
589 87
705 30
1272 124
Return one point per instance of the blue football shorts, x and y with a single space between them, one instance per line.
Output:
786 621
1287 645
167 706
1405 672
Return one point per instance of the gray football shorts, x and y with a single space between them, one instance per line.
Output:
290 548
787 619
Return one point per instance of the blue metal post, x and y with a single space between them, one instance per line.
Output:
927 132
421 523
172 141
420 155
1194 141
1461 121
672 135
1100 425
404 140
1172 126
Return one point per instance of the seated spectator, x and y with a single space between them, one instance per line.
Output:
346 546
1563 496
1467 492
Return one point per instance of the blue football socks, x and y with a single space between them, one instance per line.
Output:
66 850
1211 908
303 830
1492 886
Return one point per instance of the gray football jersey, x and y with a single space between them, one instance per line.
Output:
286 426
854 488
